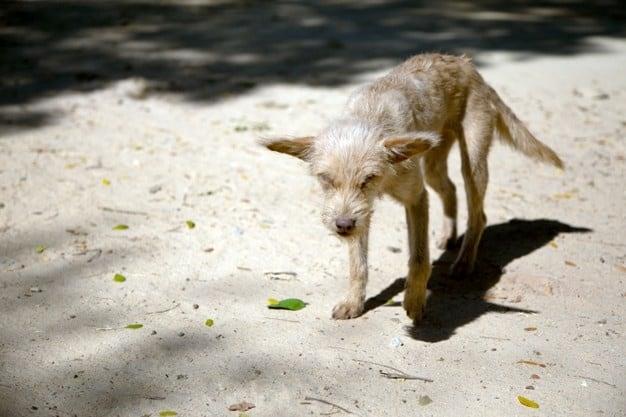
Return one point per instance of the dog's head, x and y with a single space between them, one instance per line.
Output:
352 161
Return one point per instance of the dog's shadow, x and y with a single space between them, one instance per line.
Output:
454 303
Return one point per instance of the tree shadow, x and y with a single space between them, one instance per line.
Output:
455 303
208 50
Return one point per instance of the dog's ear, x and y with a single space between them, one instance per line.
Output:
298 147
402 147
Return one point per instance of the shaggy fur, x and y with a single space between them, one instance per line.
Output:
394 136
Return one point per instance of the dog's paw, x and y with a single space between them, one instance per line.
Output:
414 306
347 310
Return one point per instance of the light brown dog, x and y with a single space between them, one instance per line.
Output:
396 132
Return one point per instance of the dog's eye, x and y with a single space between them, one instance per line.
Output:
325 180
367 180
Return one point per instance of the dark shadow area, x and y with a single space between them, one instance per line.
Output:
205 50
455 303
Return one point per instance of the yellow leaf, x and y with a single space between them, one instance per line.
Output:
526 402
106 182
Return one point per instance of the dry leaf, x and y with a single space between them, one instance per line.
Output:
242 406
527 402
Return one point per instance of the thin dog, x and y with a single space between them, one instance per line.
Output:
394 136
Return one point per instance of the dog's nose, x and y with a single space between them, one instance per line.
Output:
344 225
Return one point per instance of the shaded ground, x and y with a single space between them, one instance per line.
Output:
206 50
146 114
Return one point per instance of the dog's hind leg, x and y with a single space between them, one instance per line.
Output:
419 259
435 164
475 138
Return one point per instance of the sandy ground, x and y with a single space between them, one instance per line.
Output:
550 288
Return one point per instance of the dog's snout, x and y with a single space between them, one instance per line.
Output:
344 225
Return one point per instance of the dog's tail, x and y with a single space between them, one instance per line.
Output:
513 132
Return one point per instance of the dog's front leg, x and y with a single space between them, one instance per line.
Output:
419 259
352 306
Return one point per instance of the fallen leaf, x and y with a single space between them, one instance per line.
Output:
563 196
527 362
106 182
526 402
40 248
553 244
424 400
167 413
535 376
190 224
119 278
570 263
530 329
292 304
208 323
120 227
242 406
135 326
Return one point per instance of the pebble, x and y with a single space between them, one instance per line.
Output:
196 306
35 289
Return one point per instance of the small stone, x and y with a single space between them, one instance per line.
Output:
154 189
393 249
396 342
35 289
530 387
196 306
153 332
72 316
181 334
535 376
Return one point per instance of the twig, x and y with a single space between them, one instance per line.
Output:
154 398
164 311
596 380
132 212
276 276
495 338
398 373
391 375
328 403
276 318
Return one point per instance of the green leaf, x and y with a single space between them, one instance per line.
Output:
40 248
208 323
190 224
120 227
119 278
167 413
135 326
527 402
292 304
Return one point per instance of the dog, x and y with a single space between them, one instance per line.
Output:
395 135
